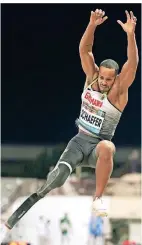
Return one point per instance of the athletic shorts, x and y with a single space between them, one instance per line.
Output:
80 151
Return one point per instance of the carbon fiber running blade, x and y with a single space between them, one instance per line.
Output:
22 210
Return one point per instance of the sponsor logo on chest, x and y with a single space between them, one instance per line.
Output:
92 100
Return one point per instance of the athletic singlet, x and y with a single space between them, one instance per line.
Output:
98 117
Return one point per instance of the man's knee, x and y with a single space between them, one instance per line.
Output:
63 172
105 149
56 178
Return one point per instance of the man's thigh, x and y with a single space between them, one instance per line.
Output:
103 144
80 151
91 159
73 153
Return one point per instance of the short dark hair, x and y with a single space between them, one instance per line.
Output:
110 64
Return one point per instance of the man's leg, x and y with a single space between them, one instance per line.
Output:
104 151
56 178
103 156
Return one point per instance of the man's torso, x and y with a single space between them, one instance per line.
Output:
117 98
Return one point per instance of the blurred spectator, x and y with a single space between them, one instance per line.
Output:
96 228
65 229
43 231
47 232
134 161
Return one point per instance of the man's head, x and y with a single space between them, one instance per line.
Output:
107 73
66 214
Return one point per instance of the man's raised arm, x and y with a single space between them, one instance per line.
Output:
86 44
128 72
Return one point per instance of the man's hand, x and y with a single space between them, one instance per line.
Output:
97 17
129 26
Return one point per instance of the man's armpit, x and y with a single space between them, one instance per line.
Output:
89 81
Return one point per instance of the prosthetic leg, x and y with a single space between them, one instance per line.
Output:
55 179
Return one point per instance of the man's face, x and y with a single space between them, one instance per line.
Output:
106 78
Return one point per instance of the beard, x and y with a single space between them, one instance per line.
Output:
104 89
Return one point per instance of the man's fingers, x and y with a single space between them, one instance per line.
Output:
127 14
103 13
100 12
133 18
132 15
104 19
120 22
133 22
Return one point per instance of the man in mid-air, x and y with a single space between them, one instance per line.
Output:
104 98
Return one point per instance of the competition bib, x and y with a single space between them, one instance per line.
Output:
90 121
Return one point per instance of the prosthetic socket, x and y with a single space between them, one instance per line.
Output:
55 179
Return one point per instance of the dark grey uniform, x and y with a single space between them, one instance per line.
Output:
80 151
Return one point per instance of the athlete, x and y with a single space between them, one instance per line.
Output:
104 98
65 229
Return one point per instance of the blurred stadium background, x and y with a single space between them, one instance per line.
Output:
32 46
24 169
